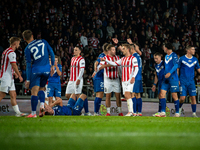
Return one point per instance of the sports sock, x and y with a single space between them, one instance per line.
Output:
139 101
119 110
34 102
130 105
194 107
16 109
134 104
180 105
163 104
85 105
176 104
98 103
41 97
159 107
108 110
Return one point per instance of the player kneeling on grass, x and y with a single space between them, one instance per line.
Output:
73 107
8 66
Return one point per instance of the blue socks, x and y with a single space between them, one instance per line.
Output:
41 96
159 107
163 104
85 105
139 103
134 104
34 102
180 105
176 103
194 107
97 104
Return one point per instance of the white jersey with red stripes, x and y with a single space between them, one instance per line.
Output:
128 65
111 72
76 64
8 57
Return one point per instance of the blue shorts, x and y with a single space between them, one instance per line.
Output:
75 106
187 87
98 85
172 85
138 88
54 89
39 79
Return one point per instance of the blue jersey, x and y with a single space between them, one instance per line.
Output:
55 77
160 71
171 65
37 57
187 68
139 60
62 110
99 74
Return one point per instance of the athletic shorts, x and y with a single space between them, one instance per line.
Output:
7 85
76 106
138 88
54 89
187 87
127 87
73 88
39 79
171 85
112 85
98 85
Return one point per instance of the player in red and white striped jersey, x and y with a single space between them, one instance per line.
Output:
129 66
77 67
8 66
111 79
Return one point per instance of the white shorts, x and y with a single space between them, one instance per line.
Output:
7 85
127 87
73 88
112 85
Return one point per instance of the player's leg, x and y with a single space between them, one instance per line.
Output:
176 104
163 103
70 89
108 89
108 103
193 105
137 89
79 104
139 103
2 95
134 104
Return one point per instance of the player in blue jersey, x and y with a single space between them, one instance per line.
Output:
138 88
159 76
73 107
54 85
37 69
171 81
186 68
98 81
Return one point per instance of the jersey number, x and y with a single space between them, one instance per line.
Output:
35 55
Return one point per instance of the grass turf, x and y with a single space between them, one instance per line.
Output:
99 133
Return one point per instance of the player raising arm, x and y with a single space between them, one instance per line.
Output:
8 66
37 69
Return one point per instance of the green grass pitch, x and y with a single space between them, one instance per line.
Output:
99 133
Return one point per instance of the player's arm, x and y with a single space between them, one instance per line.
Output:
135 70
116 63
58 69
197 66
57 102
82 68
174 68
155 82
15 68
51 53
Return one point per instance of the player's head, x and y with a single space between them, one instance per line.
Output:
190 50
49 110
14 42
111 49
77 51
126 49
104 47
27 35
167 47
157 57
132 48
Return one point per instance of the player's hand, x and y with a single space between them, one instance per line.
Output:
27 84
16 76
115 40
132 80
167 75
94 73
153 88
52 71
179 82
20 79
102 59
129 41
120 48
78 82
102 67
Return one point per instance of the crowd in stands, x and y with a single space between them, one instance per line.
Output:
90 23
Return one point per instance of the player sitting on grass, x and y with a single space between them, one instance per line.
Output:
73 107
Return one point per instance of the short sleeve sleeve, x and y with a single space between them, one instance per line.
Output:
12 57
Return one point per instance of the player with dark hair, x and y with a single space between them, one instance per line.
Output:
187 65
8 69
37 69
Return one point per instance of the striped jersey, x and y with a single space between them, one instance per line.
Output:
111 72
128 65
8 57
76 64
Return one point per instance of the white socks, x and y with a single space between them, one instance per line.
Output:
16 109
41 105
130 105
108 110
33 112
119 109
